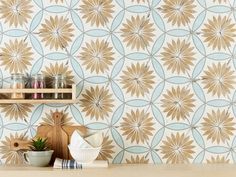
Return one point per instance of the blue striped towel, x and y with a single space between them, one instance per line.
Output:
66 164
72 164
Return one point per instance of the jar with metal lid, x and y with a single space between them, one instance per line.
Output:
37 82
59 81
17 82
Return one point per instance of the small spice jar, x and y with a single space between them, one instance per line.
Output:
37 82
59 81
17 82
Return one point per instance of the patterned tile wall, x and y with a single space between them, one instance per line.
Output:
156 76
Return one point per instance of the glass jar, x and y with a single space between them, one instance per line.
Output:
37 82
17 82
59 81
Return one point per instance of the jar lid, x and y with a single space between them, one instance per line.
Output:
40 76
59 76
17 75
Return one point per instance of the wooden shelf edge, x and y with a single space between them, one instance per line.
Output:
30 90
71 91
39 101
38 90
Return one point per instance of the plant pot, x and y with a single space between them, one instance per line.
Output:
38 158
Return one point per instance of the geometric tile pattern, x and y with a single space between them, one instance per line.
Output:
156 76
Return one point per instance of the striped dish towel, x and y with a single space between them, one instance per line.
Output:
72 164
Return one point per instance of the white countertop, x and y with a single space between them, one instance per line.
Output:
124 170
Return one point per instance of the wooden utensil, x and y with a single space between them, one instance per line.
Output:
17 144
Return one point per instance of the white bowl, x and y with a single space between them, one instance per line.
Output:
77 141
84 155
95 140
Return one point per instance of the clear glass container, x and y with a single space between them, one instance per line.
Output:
37 82
17 82
59 81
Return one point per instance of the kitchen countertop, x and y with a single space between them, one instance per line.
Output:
125 170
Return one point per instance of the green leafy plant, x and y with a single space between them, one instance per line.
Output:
39 144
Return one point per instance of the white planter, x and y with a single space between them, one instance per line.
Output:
38 158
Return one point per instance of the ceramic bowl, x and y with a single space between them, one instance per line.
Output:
84 155
38 158
77 141
95 140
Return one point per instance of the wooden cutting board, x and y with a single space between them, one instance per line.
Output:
58 136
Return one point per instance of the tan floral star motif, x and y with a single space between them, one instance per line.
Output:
138 32
96 102
178 11
137 79
16 12
17 111
178 56
218 126
178 103
219 32
137 126
219 79
97 56
16 56
56 32
177 148
11 149
97 12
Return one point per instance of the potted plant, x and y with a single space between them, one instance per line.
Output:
39 154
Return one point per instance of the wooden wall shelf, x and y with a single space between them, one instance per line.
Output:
71 91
